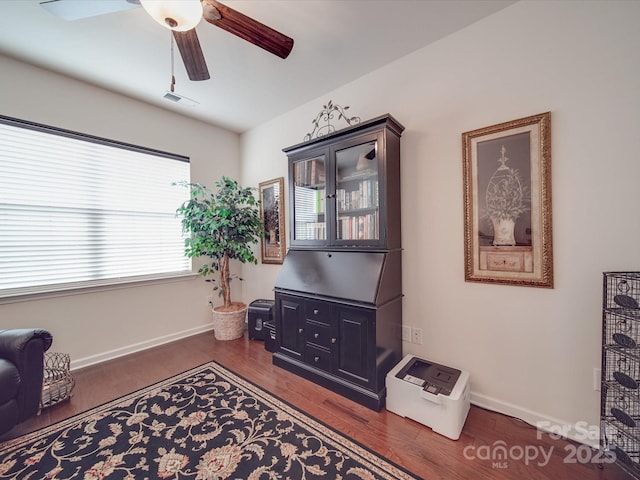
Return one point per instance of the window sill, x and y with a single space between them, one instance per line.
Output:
81 289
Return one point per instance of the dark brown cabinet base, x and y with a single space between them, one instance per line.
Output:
363 396
337 345
346 346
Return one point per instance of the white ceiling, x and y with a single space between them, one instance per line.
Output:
336 41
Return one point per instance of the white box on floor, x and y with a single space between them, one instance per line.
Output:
434 395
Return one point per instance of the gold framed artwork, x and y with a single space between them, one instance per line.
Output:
507 203
273 245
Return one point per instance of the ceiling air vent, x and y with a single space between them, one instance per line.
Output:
176 98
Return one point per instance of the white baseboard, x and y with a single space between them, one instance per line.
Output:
137 347
580 432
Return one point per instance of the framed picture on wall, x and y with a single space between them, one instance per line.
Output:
507 203
272 213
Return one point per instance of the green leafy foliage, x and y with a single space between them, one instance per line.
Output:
222 225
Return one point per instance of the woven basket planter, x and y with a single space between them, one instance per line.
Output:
229 325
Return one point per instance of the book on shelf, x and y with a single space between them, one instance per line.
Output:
310 173
365 196
321 175
313 174
320 196
361 227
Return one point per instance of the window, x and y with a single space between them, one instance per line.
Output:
78 211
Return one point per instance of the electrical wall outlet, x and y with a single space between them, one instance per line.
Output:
406 333
416 335
597 373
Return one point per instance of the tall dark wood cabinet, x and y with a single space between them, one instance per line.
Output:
338 309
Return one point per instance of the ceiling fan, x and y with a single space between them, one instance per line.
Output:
182 16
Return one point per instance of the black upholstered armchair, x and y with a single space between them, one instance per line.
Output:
21 374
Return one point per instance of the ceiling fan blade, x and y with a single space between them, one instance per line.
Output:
191 54
247 28
70 10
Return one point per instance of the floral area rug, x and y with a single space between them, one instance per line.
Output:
204 424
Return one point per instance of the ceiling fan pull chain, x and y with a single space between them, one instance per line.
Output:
173 77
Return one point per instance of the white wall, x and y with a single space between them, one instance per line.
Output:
531 352
95 326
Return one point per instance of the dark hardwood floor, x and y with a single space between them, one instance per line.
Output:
403 441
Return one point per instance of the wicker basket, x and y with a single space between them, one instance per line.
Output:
229 325
58 382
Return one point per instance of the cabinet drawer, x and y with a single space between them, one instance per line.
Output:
319 333
318 311
318 357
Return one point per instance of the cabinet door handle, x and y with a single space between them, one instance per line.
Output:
315 311
316 335
334 340
300 330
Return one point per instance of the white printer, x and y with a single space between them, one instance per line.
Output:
434 395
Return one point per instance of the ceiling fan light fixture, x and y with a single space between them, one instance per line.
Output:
178 15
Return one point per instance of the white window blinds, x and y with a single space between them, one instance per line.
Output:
78 211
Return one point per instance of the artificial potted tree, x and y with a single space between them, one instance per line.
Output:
222 226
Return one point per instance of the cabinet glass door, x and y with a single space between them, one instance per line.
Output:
309 186
357 196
